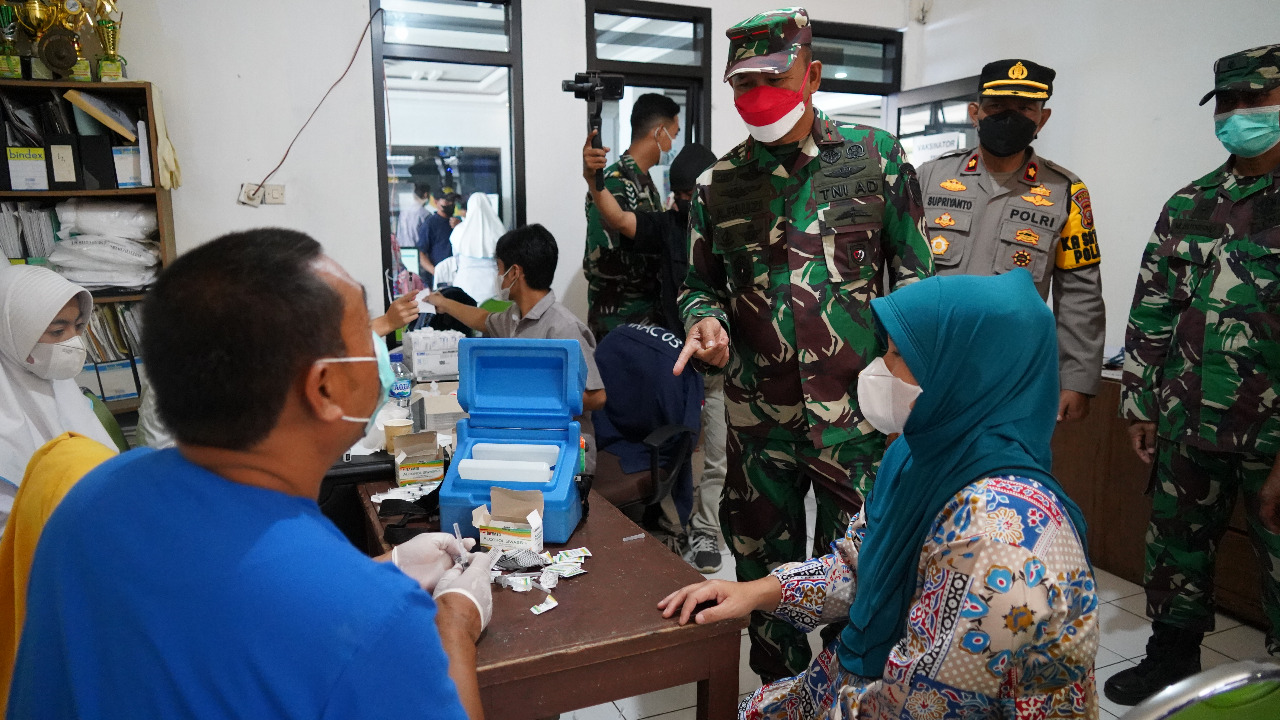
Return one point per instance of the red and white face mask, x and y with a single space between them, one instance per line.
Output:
771 112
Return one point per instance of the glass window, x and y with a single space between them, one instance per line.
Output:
645 40
855 60
451 123
446 23
851 107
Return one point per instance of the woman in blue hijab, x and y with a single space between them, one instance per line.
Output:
965 582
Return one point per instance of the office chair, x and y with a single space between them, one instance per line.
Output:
1241 690
646 432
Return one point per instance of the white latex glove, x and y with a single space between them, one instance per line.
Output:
427 557
473 582
166 157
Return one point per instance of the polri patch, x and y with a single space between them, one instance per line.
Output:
1081 199
1021 258
953 185
1041 191
945 220
939 245
1033 172
1028 236
1037 200
972 165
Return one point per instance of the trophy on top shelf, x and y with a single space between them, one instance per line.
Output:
111 65
10 62
38 19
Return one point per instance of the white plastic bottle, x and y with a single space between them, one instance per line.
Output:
403 385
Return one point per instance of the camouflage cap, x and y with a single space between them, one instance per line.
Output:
1256 69
768 42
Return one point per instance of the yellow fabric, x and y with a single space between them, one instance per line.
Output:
54 469
1078 242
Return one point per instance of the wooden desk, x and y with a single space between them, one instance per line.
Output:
606 640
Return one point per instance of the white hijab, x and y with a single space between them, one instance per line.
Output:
477 235
33 410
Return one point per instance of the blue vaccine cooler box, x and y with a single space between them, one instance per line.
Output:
518 391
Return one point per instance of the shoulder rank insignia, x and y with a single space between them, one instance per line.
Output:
1040 190
1037 200
939 245
1028 236
1032 173
953 185
945 220
972 165
1021 258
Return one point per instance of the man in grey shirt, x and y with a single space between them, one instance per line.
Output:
526 260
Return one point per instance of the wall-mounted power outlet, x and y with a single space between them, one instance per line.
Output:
251 194
275 195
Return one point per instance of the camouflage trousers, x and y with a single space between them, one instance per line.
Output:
1194 495
762 515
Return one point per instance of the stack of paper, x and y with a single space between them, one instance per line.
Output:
10 235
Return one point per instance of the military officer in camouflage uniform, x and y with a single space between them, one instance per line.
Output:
1202 372
623 284
1000 206
791 234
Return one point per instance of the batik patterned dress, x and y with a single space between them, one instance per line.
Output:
1003 623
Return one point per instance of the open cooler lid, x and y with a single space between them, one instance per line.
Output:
520 382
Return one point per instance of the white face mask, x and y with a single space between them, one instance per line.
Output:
57 361
499 292
664 156
885 400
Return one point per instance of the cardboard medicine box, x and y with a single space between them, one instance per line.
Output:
419 459
514 524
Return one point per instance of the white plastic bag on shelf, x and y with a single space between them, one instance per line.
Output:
112 277
113 218
94 251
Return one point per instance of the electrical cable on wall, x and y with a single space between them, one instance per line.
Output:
355 53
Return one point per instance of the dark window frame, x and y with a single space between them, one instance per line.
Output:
512 59
962 88
663 75
825 30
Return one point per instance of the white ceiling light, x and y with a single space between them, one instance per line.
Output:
841 75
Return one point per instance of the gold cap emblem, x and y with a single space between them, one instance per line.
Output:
1018 72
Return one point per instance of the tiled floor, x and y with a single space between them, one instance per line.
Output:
1124 638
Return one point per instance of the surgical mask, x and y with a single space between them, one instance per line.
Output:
1007 133
386 376
771 112
58 361
499 292
1249 132
664 156
885 400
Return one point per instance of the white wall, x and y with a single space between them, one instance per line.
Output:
238 79
1124 105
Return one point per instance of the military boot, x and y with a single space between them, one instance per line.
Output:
1172 654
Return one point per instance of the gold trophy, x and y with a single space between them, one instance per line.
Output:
72 17
111 65
10 63
37 19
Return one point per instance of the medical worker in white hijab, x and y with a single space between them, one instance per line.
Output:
472 267
41 352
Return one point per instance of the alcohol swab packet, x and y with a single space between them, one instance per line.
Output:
544 606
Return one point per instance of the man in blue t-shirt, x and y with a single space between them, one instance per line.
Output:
203 581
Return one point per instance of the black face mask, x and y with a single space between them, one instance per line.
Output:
1007 133
682 206
446 209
